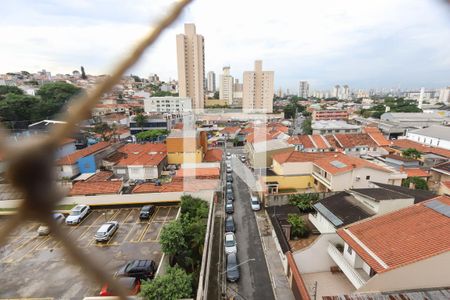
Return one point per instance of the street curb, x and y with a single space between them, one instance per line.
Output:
265 258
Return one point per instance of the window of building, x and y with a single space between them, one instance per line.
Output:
367 177
349 250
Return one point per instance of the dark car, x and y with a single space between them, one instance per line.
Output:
230 197
232 267
229 209
229 224
146 212
229 178
141 269
132 286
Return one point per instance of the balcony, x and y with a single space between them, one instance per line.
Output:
325 181
356 276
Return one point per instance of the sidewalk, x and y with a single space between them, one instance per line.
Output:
278 279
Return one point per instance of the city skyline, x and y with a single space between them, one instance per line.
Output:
362 44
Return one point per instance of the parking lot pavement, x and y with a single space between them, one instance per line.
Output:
35 266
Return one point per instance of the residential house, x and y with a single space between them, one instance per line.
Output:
138 161
155 121
357 144
66 147
92 187
347 207
184 146
440 178
401 250
86 160
260 153
230 132
430 156
213 155
333 127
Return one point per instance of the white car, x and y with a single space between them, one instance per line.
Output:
229 169
77 214
106 231
255 203
44 229
230 243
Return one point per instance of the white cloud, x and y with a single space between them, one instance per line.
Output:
324 41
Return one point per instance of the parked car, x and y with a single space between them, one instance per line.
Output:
228 155
230 243
141 269
131 284
229 185
45 230
230 197
255 203
229 224
233 273
243 159
229 209
229 170
106 231
229 178
77 214
146 212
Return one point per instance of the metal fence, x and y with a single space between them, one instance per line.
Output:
30 162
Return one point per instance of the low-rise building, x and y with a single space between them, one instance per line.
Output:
435 135
261 153
329 114
156 121
440 178
415 120
168 104
184 146
333 127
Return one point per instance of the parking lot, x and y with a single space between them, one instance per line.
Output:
35 266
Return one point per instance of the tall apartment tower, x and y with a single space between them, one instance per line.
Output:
211 82
191 66
258 89
226 86
237 93
345 93
336 91
303 89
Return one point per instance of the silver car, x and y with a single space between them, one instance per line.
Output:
106 231
44 229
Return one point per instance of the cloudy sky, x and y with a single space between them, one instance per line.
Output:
379 43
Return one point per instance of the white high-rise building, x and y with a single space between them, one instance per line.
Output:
211 81
226 86
303 89
191 66
336 91
345 93
237 93
444 95
258 90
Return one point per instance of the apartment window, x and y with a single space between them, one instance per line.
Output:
349 250
367 177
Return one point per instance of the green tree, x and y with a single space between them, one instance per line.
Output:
172 238
419 183
412 153
307 126
303 201
140 120
175 284
193 208
54 96
6 89
16 107
298 225
103 129
151 134
161 94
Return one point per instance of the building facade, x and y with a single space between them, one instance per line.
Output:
167 104
226 86
303 89
319 115
211 82
191 65
258 89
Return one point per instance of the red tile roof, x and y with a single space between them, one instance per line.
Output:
210 173
230 130
259 136
446 184
213 155
148 154
72 158
95 187
399 238
101 176
405 144
187 185
319 141
296 156
377 136
416 172
301 140
332 141
349 163
354 140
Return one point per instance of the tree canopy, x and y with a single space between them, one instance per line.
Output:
151 134
175 284
419 183
412 153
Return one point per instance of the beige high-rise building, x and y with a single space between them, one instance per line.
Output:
191 66
226 86
258 90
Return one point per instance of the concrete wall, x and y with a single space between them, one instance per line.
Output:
184 157
291 182
293 168
315 258
435 142
142 173
428 273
